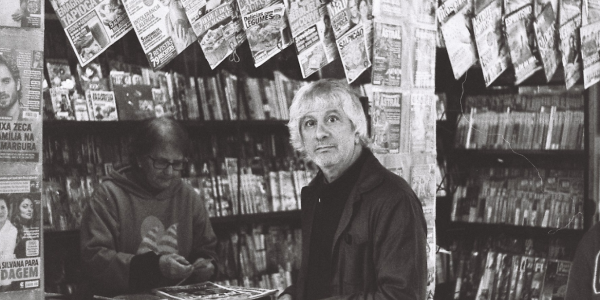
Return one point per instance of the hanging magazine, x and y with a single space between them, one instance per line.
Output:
539 5
162 28
491 45
513 5
20 261
209 290
311 53
589 54
545 32
385 122
267 32
521 42
353 51
571 57
570 9
387 55
454 15
219 28
340 17
424 58
91 27
422 123
591 11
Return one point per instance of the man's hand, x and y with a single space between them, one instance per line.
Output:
203 269
18 15
174 266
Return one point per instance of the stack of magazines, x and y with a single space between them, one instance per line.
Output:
209 290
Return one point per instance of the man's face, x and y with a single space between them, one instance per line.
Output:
328 137
8 89
157 178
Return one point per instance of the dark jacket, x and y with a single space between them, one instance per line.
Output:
584 276
379 249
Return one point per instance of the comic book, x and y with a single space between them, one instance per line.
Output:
353 51
162 27
589 54
387 54
385 122
91 77
545 33
61 104
92 27
59 73
267 32
102 106
571 56
20 254
521 42
491 44
424 58
218 26
455 17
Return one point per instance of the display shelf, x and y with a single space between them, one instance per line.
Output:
469 228
517 157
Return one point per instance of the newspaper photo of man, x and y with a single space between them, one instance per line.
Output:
178 26
10 91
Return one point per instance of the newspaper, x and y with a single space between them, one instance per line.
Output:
353 52
591 11
21 101
568 10
491 45
218 27
521 42
311 52
92 25
424 58
545 33
385 122
20 247
267 32
456 29
162 27
571 57
341 21
589 54
387 55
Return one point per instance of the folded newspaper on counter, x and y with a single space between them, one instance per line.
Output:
162 28
209 290
92 26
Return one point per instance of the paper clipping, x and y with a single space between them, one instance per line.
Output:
353 52
267 32
92 26
20 207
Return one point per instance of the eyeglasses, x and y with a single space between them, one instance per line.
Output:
161 163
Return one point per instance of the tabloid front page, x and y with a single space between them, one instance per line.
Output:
491 45
92 25
20 207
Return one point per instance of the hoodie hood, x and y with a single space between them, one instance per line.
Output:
119 178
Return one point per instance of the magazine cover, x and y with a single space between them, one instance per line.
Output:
591 11
24 13
339 11
134 102
568 10
385 122
311 53
91 27
219 28
425 11
571 57
91 78
353 52
589 54
390 8
209 290
20 215
522 44
61 106
59 73
326 35
424 58
545 32
102 106
162 28
304 14
454 16
491 45
387 55
267 32
422 123
21 101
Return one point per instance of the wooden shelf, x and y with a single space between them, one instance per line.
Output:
484 229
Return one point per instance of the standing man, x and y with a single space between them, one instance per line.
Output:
363 229
10 91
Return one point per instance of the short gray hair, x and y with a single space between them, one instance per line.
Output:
326 91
